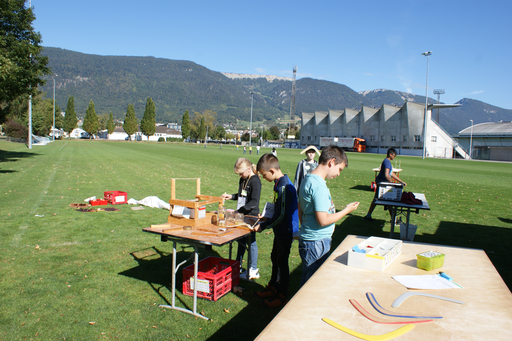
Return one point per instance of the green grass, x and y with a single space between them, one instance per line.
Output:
66 269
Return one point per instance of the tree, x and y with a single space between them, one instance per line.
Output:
201 132
110 124
130 121
21 65
42 116
148 122
274 133
185 125
70 119
245 137
102 122
90 124
220 132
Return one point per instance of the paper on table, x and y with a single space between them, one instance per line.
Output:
426 282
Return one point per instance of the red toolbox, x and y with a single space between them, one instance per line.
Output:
215 276
98 202
116 197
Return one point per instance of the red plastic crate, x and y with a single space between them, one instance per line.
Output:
98 202
221 274
116 197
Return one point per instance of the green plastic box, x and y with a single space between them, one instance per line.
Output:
430 260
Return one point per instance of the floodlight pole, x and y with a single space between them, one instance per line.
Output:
30 104
471 142
250 124
53 132
427 54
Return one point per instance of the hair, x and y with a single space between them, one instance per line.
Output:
242 164
333 152
268 161
391 151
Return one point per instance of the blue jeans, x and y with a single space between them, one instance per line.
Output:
253 249
313 254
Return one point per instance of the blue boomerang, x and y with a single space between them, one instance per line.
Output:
378 307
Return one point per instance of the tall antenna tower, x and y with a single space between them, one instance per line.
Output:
292 102
438 92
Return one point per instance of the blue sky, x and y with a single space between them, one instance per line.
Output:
365 45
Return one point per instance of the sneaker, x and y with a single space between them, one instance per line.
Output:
253 274
266 293
276 302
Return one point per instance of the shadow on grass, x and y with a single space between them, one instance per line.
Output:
366 188
492 239
6 156
506 220
155 267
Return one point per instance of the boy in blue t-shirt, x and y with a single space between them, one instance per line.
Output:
284 222
317 213
385 175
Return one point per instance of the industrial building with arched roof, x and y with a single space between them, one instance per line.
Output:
488 141
399 127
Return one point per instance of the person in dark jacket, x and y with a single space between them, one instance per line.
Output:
248 202
284 222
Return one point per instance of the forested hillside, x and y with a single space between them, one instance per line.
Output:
113 82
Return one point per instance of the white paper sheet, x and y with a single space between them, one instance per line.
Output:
426 282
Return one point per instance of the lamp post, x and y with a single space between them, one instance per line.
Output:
53 132
30 105
471 142
250 124
427 54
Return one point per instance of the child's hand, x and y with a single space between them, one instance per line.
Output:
353 206
226 196
262 218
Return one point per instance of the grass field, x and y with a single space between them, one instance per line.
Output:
84 276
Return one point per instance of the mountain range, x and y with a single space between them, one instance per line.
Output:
113 82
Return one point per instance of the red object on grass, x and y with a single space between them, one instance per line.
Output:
221 274
116 197
98 202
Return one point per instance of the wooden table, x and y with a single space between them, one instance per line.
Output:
399 208
202 236
486 314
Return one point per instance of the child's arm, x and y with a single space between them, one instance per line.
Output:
325 218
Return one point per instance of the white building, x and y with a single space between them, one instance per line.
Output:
161 131
489 141
79 133
398 127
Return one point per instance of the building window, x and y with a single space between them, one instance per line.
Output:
393 138
433 138
372 137
405 138
416 138
309 138
382 138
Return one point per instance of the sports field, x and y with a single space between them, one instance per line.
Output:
69 275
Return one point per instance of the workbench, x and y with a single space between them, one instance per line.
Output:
398 208
485 315
203 236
